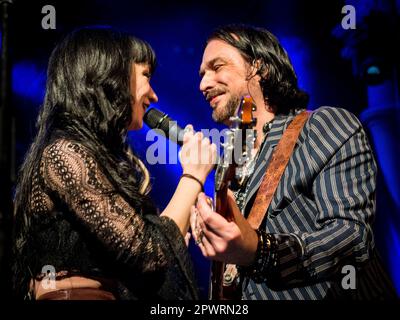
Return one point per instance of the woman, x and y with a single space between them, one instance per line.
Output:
82 206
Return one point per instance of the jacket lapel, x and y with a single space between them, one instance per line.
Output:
279 125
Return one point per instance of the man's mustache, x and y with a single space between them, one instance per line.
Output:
213 93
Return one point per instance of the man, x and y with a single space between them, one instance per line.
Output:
319 220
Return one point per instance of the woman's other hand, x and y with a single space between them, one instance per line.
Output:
198 155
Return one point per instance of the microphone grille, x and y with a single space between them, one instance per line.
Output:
152 117
157 119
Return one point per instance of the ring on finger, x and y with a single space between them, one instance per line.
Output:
200 236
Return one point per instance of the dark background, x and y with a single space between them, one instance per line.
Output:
352 69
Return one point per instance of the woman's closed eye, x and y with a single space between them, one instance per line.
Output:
147 74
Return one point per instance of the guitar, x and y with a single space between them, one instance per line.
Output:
234 168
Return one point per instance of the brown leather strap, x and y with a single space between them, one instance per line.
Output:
279 161
78 294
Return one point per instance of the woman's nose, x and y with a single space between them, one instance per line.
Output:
153 96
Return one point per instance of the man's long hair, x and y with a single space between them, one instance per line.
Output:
261 48
88 100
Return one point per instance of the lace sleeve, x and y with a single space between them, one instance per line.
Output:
72 173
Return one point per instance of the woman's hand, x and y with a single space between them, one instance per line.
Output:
218 239
187 239
198 155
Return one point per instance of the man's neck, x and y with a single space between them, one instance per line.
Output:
263 114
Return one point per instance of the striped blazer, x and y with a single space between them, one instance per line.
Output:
321 213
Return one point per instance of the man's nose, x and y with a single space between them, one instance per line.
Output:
206 83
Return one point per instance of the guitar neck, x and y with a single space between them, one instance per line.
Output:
217 268
236 139
221 203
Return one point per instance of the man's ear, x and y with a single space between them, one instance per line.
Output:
255 70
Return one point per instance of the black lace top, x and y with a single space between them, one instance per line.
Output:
81 225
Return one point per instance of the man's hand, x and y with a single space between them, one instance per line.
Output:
218 239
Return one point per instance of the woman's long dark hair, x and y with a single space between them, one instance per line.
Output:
88 100
278 78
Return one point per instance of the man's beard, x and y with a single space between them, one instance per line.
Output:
223 113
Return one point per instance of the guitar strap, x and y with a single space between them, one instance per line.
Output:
275 169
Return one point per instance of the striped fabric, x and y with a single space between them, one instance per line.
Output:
321 213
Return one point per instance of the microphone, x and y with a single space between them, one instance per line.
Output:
157 119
